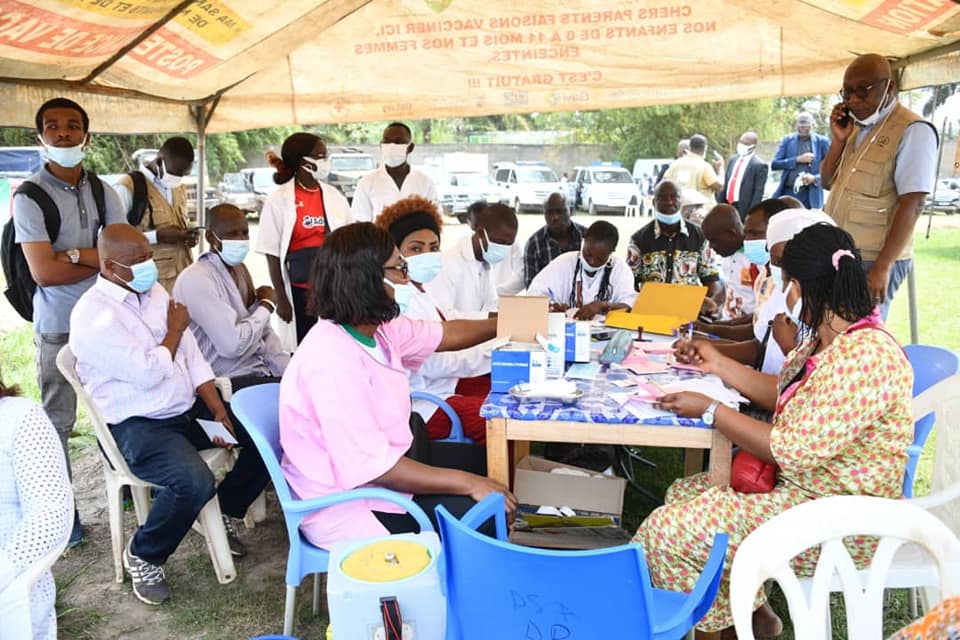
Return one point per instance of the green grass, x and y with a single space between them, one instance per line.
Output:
255 601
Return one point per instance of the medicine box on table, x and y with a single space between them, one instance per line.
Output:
517 362
578 341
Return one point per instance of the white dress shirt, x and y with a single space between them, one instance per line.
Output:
126 196
736 176
556 281
508 274
235 339
441 372
116 335
377 190
465 286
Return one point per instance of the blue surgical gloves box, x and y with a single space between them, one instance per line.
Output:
517 362
578 341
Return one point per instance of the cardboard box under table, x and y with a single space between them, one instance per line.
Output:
597 500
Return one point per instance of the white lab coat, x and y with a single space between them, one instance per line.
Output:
508 275
277 220
774 357
465 286
556 281
377 190
441 372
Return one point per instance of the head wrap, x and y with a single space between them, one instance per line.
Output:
789 222
409 223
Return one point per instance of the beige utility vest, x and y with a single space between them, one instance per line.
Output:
171 259
863 197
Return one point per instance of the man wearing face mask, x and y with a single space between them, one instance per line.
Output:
798 159
465 285
671 249
746 176
141 365
593 280
879 169
228 316
66 265
393 179
156 203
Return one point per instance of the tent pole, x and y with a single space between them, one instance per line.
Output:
200 115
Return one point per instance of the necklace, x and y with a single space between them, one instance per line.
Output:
308 189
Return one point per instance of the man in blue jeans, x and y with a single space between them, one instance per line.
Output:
140 363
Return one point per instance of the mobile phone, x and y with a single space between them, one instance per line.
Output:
845 120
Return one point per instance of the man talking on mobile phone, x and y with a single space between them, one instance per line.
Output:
879 169
155 200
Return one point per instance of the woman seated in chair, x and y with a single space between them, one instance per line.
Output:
841 426
462 377
345 397
36 506
592 281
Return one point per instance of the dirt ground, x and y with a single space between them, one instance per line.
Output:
91 605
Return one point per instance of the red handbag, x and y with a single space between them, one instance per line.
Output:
750 474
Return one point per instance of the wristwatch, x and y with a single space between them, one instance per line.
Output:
708 415
74 255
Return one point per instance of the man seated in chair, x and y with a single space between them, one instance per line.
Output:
229 318
140 363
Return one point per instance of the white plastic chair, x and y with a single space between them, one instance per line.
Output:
258 508
768 551
912 567
117 474
15 598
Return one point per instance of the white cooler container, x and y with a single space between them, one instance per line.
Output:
402 566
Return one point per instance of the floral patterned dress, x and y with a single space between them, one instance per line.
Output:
843 429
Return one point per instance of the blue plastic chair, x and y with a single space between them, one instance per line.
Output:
456 426
496 589
930 366
257 408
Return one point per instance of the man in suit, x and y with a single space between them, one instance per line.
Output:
798 157
746 177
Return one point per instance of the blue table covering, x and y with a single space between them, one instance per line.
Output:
595 405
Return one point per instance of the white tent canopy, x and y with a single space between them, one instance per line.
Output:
145 65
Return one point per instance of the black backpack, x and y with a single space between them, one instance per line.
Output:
141 203
16 271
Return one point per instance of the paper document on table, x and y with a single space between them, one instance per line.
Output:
640 364
710 386
646 410
583 371
654 347
213 429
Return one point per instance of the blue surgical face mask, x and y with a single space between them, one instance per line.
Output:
588 268
494 252
756 251
667 218
144 275
777 274
424 267
402 293
233 252
67 157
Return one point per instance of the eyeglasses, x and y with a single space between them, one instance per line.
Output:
862 92
402 268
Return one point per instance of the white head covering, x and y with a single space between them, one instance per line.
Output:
789 222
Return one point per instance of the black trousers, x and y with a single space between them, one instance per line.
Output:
303 321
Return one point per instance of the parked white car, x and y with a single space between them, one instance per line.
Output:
605 187
525 185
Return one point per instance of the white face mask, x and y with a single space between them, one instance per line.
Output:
495 252
320 169
797 309
171 181
743 149
393 154
588 268
66 157
873 117
402 294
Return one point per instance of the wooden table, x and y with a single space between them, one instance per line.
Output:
501 431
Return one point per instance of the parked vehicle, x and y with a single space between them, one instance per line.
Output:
605 187
947 197
525 185
477 186
237 190
452 199
261 183
16 165
347 166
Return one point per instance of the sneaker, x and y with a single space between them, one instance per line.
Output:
149 583
77 535
237 548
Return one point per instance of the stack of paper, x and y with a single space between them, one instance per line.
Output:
710 386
